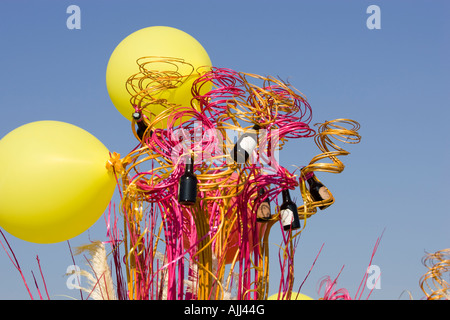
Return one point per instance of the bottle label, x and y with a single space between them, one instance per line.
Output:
287 216
248 144
324 193
263 211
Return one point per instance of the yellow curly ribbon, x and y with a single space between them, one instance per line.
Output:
438 265
326 133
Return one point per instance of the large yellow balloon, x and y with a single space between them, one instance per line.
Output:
294 296
54 184
157 41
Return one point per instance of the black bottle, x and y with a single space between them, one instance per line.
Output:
318 191
245 146
289 212
137 116
187 188
263 212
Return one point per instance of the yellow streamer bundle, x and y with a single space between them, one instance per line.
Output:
433 282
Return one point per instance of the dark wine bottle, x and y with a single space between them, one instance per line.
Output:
263 213
141 126
187 188
245 146
289 212
318 191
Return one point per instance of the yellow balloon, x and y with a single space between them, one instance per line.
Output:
54 184
154 43
294 296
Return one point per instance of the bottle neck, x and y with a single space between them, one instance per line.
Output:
313 182
286 196
139 120
189 166
137 116
142 125
261 193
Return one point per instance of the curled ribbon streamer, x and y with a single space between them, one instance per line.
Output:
433 282
326 133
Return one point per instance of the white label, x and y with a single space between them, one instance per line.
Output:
248 144
287 216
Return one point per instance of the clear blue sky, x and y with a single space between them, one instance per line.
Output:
394 81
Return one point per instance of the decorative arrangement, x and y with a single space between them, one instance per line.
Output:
199 194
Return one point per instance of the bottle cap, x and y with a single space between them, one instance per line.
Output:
137 116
